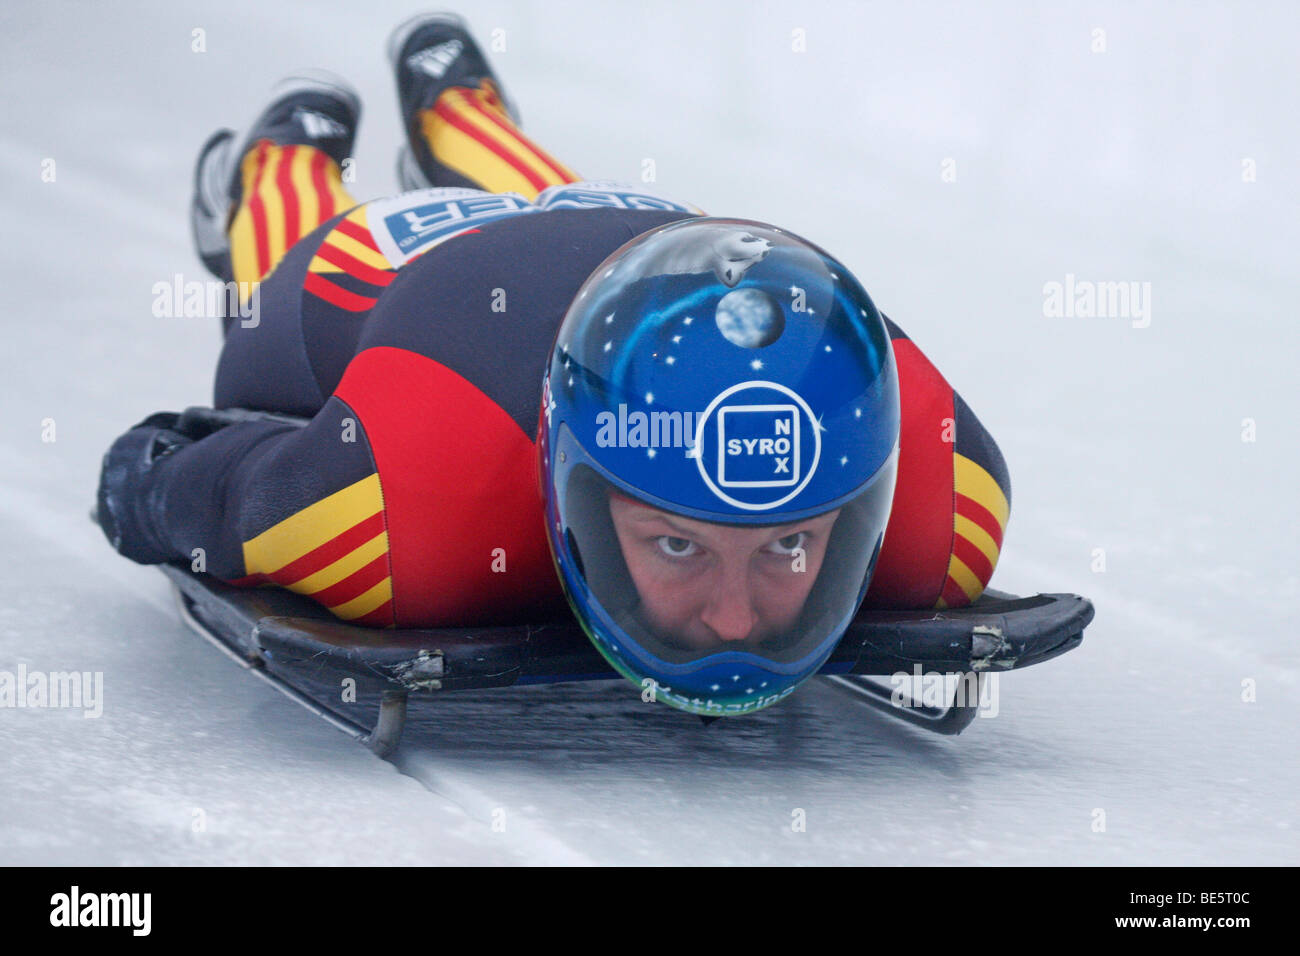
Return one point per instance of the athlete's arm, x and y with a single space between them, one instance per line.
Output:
159 466
952 499
236 501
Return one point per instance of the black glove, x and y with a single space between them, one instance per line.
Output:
125 504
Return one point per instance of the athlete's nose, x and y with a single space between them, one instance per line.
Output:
730 612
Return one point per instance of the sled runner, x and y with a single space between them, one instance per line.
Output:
307 653
313 657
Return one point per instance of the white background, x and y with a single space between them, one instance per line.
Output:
1123 165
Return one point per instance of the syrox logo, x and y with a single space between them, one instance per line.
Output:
756 444
759 446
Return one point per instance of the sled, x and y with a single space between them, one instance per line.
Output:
305 652
300 647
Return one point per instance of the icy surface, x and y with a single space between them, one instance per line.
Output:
1113 166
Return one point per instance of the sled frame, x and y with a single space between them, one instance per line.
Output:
949 720
284 638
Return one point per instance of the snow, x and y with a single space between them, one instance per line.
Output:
1122 165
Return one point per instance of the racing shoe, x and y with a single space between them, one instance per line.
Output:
311 108
430 53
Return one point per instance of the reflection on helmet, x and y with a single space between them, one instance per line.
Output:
718 454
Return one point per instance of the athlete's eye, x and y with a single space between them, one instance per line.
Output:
676 547
789 544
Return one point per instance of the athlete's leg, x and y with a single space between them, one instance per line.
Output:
286 192
468 132
288 246
310 311
461 129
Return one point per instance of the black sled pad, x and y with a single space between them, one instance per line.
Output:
290 634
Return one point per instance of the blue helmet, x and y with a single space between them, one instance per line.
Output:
718 449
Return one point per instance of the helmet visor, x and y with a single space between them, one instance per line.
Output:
681 589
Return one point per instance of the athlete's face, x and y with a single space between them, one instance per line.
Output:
706 586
